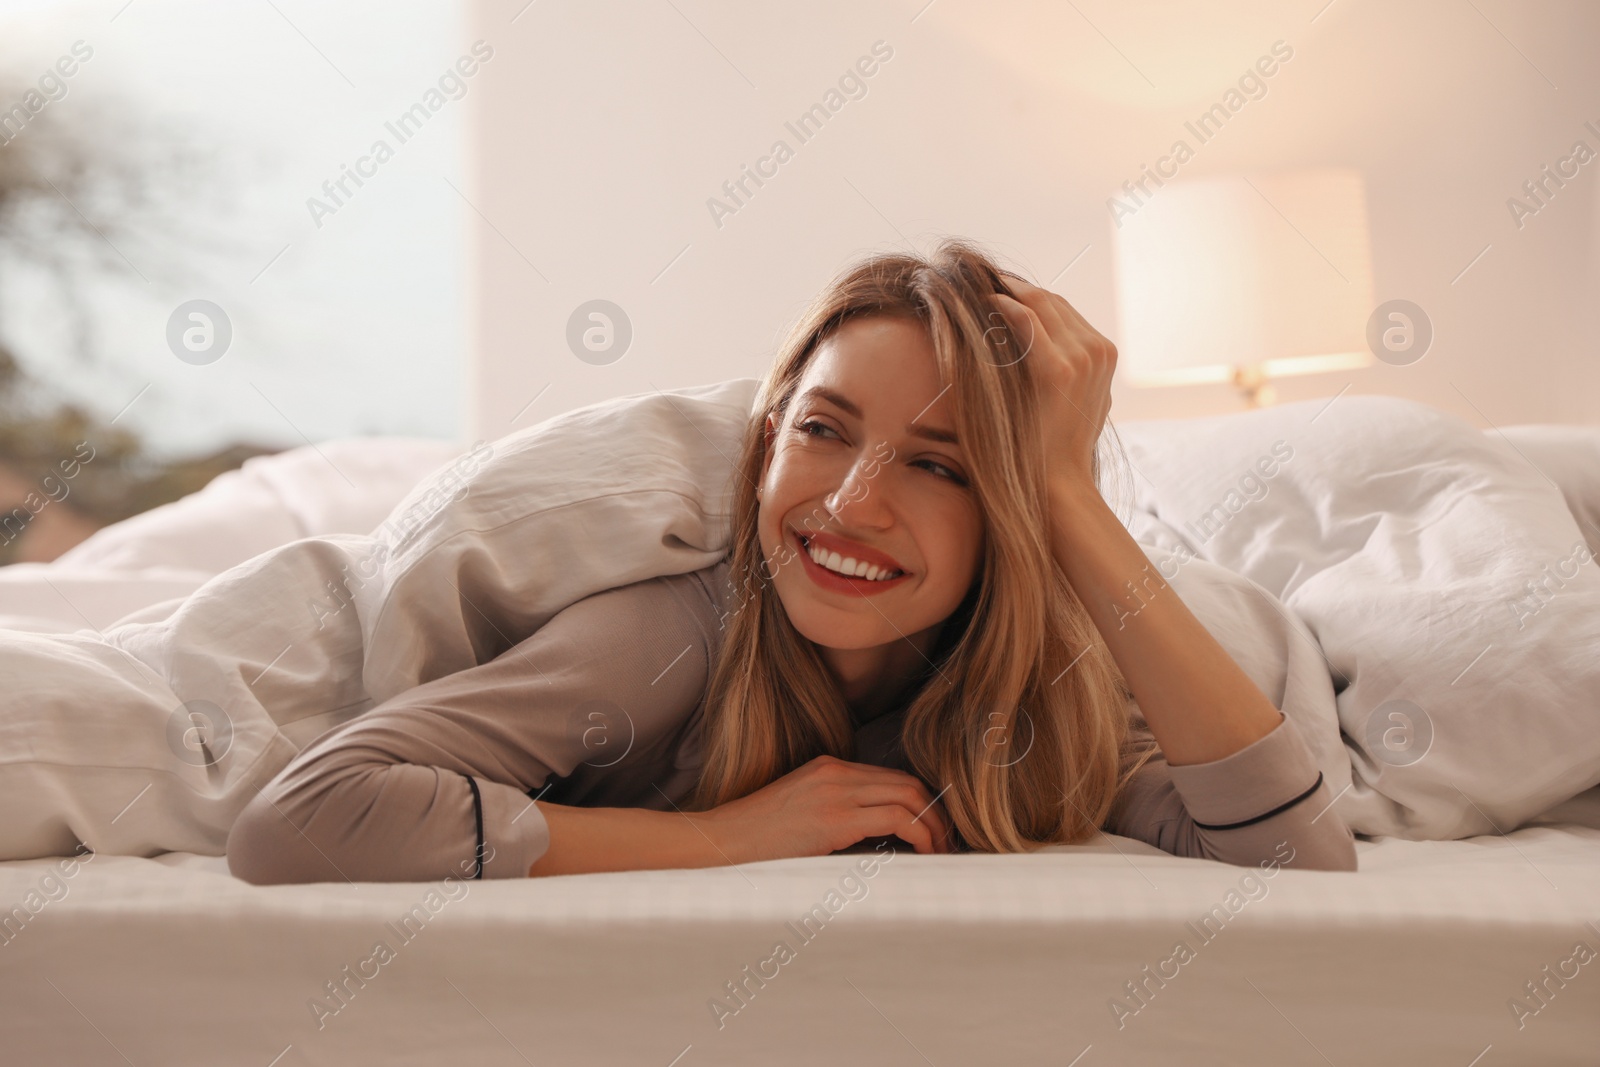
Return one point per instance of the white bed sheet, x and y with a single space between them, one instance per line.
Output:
944 960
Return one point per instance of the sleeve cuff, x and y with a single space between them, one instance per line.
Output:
515 833
1265 775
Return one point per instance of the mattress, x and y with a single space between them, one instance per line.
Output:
970 959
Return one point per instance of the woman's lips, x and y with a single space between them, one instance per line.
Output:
838 583
848 549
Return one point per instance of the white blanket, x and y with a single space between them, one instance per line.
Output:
150 735
1378 560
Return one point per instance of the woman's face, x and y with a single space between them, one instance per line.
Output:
864 465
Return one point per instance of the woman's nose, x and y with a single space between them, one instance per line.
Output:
861 495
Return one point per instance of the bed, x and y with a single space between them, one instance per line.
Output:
945 960
1465 949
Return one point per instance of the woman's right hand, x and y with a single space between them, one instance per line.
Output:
827 805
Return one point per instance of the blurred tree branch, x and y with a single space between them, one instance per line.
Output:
67 193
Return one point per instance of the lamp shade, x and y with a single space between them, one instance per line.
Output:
1265 270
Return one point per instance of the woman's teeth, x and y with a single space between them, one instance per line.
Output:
846 566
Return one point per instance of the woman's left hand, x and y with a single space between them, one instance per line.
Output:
1072 363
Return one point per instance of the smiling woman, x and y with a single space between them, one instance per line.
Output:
913 524
943 418
916 635
904 356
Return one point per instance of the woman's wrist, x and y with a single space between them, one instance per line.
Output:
589 840
1073 488
1199 703
1077 509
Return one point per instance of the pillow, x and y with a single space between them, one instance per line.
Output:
1446 581
345 486
1570 457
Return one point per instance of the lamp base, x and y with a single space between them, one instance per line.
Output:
1252 383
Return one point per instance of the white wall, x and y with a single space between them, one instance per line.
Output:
599 131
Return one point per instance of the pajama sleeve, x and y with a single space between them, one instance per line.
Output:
408 790
1265 803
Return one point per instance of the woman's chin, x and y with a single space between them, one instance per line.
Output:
831 638
841 629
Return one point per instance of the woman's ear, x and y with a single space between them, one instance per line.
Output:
770 432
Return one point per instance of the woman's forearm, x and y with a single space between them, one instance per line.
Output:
824 805
1199 703
584 840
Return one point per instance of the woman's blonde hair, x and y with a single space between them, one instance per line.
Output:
1019 667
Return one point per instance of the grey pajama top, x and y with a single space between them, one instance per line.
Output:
603 706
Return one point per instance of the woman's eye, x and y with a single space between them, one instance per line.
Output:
805 427
946 471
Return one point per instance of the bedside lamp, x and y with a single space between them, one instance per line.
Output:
1244 278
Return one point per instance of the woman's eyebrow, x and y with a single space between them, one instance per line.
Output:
839 400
